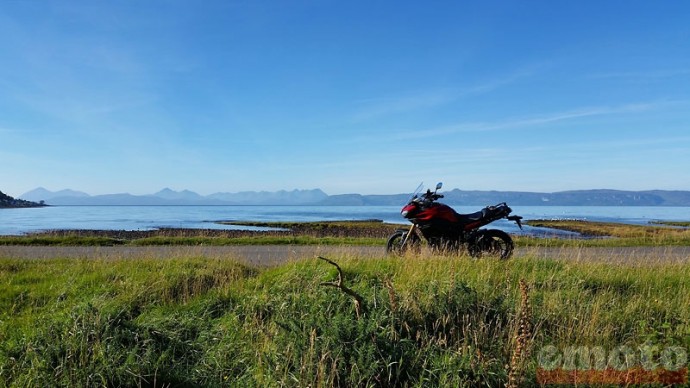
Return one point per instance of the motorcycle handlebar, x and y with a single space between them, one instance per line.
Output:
430 196
433 196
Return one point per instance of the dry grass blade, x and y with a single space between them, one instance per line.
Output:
522 340
391 295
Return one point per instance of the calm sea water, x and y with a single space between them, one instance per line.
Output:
21 221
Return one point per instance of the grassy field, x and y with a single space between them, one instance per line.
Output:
422 320
415 321
684 224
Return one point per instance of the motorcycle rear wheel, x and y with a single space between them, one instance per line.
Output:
491 242
395 246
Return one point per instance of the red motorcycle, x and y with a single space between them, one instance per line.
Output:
445 230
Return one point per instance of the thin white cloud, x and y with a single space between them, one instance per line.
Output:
502 81
652 74
522 122
379 107
630 147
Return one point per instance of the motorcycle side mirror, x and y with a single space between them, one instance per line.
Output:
439 185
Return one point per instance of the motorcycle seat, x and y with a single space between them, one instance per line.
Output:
476 216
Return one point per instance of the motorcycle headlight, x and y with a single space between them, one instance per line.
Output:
404 213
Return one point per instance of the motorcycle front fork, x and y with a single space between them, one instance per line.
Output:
409 233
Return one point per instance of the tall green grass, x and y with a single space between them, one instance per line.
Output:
427 320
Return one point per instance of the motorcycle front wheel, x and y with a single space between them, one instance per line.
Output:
491 242
395 243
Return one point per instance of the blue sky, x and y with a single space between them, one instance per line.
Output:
346 96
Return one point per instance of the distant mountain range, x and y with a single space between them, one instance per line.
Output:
171 197
522 198
318 197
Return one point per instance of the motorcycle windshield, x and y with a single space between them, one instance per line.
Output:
416 192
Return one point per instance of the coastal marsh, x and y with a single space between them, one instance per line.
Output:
427 319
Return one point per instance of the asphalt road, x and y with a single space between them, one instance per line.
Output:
262 255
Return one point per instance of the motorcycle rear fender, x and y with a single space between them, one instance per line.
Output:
517 220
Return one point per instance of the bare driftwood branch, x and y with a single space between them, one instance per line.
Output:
358 300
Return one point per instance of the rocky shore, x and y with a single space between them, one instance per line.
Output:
7 202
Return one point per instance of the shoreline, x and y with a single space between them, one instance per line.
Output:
348 232
314 229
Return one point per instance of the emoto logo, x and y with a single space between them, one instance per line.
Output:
646 364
